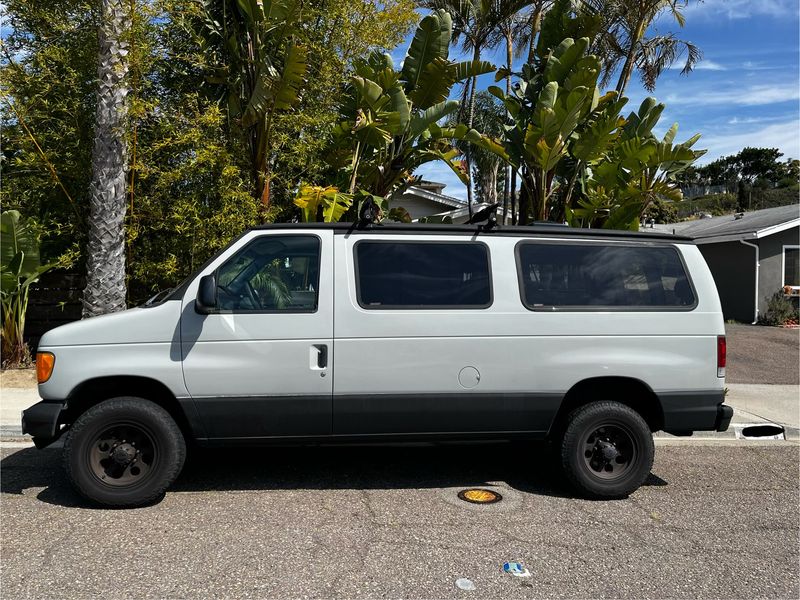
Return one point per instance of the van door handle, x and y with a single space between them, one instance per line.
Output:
322 355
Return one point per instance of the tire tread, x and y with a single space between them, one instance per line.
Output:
108 409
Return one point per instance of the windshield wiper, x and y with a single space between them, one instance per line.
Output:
158 297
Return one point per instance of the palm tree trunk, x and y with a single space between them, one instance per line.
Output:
513 196
536 25
507 168
476 55
105 250
627 68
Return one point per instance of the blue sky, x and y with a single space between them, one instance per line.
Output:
745 92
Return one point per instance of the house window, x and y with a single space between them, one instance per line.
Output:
791 266
422 275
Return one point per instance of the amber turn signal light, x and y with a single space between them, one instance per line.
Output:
45 361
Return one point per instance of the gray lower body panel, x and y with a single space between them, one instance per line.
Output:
693 411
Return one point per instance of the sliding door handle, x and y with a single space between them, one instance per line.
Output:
322 355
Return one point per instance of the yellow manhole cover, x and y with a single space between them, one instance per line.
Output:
479 496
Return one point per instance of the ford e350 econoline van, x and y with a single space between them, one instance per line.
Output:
309 333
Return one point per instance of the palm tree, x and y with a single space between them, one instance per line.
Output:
516 26
105 250
625 41
476 24
527 26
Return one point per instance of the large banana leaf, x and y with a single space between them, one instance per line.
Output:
470 68
294 71
421 121
370 92
274 90
433 85
564 58
399 104
431 41
19 250
333 202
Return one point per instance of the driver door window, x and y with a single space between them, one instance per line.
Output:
271 274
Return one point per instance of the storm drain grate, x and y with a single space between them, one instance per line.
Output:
760 431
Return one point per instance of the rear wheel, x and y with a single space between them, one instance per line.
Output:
607 450
124 452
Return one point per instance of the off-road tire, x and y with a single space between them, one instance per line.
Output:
582 424
161 430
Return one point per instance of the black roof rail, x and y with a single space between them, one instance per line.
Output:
544 229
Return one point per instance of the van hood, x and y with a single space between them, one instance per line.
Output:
133 326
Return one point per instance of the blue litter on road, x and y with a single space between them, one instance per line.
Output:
516 569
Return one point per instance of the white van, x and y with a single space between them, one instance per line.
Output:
320 333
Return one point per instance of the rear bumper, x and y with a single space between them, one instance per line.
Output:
42 422
724 416
686 412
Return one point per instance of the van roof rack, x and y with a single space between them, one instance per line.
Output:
543 229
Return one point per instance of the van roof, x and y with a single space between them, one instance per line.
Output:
537 229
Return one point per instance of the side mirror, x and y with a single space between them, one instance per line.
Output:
206 301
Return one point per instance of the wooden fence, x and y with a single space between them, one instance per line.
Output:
54 300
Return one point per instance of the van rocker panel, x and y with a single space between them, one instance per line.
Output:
443 412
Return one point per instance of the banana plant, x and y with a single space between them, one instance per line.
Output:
311 199
256 56
548 108
389 118
19 268
637 169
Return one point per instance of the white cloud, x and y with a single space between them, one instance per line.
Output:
710 65
741 9
784 136
750 65
703 65
751 120
754 95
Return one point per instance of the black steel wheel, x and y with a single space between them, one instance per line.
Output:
607 450
124 452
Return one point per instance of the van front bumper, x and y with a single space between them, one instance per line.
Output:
41 422
686 412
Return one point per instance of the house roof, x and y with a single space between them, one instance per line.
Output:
750 225
427 194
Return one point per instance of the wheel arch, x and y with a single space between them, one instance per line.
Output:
94 391
630 391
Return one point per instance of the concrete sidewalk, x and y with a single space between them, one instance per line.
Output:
752 404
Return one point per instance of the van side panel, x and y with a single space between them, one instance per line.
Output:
397 371
151 350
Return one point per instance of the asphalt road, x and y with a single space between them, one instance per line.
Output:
712 522
758 354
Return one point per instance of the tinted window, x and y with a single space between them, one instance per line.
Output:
272 273
593 275
423 275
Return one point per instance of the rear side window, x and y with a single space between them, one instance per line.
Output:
596 276
422 275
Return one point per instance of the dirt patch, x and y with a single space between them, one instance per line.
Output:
759 354
18 378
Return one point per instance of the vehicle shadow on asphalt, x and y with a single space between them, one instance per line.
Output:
526 467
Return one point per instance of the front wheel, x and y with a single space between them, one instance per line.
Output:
607 450
124 452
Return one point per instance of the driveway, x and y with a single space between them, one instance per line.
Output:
712 522
758 354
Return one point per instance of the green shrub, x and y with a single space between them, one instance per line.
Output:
780 309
